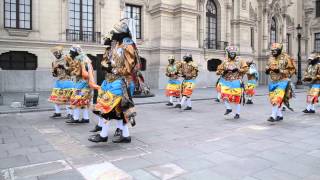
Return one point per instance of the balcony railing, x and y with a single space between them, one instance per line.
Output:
83 36
215 45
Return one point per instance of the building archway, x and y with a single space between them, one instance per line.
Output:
18 60
212 64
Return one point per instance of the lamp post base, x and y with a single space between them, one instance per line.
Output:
299 84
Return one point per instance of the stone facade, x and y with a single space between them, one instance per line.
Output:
167 27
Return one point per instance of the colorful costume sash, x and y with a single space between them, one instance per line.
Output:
313 94
277 91
187 87
109 97
250 87
173 88
61 92
231 90
81 95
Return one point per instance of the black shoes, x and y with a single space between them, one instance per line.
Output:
85 121
169 104
271 119
178 106
122 139
56 115
217 100
118 132
228 111
279 118
188 108
309 111
69 116
97 138
249 101
96 129
73 121
237 116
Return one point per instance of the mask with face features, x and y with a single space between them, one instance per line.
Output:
57 51
188 58
57 54
276 49
232 52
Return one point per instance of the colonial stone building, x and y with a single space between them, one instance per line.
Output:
29 28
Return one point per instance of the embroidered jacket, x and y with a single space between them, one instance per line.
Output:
228 69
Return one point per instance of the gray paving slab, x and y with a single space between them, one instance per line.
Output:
44 157
274 174
132 164
141 174
13 161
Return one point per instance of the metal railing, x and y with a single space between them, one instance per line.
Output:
215 45
83 36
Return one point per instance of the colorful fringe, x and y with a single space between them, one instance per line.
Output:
231 90
173 88
61 92
187 87
81 95
313 94
277 92
250 87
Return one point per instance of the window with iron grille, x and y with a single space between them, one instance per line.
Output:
211 15
317 42
17 14
18 60
318 8
273 31
81 21
134 12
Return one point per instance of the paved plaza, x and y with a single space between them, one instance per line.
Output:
167 143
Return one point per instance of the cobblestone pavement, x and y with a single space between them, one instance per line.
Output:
167 144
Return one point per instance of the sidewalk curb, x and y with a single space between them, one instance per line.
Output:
30 110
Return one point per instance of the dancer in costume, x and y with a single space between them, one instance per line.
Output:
174 85
81 70
232 71
312 76
189 72
114 99
251 84
62 90
280 68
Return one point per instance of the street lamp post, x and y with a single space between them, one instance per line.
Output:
299 28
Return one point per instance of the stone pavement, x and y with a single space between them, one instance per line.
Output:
167 143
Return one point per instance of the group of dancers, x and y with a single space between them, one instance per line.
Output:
75 82
231 88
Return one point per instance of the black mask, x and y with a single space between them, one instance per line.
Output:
171 61
276 52
120 36
314 61
58 55
107 42
73 54
232 55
